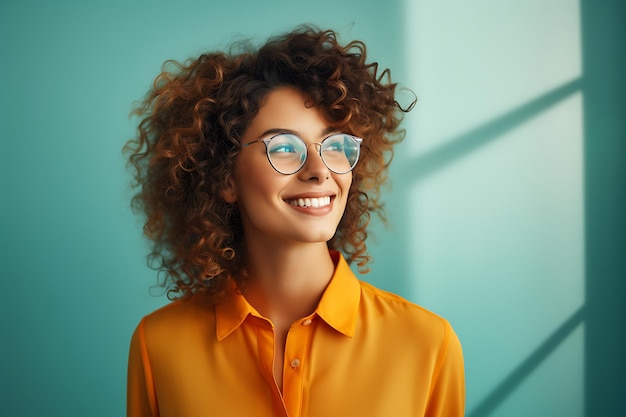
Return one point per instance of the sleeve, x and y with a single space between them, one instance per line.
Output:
140 392
447 392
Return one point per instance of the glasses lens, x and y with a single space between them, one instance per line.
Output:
340 153
286 153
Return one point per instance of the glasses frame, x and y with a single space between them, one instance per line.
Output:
266 141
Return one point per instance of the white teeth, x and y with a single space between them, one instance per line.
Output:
310 202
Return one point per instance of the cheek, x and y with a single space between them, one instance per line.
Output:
251 173
257 184
345 183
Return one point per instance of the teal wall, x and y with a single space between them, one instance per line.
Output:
505 212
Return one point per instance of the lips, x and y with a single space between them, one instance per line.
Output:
306 202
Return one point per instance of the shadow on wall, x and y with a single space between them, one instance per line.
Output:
604 34
515 378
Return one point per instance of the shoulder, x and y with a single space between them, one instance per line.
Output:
395 304
179 318
392 313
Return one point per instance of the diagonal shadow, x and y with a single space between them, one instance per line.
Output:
515 378
430 162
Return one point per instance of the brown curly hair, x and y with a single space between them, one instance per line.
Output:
188 139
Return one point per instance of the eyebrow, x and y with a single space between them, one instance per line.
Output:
277 131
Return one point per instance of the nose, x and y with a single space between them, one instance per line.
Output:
314 168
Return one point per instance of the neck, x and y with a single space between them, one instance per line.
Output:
286 282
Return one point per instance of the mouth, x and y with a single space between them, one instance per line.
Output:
307 202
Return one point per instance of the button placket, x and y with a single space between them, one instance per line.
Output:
296 353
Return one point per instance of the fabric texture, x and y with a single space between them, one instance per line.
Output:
363 352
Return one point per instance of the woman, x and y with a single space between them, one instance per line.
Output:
258 173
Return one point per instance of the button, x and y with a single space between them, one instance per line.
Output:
307 322
295 363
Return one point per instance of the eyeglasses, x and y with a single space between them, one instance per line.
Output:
287 153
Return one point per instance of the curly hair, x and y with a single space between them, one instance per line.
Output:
191 122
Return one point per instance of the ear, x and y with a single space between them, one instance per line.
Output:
229 193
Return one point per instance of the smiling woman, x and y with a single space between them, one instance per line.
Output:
258 173
266 198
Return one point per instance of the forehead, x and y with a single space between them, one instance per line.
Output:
287 109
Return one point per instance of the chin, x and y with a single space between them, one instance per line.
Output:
317 238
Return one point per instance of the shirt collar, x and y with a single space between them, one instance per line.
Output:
340 302
337 307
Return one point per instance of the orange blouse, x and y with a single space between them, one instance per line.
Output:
363 352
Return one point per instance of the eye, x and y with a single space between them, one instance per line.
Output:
283 148
334 144
285 145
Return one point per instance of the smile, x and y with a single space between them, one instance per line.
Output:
310 202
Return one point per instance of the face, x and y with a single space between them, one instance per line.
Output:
304 207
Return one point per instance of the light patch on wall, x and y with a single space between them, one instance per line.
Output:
472 61
497 193
498 237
